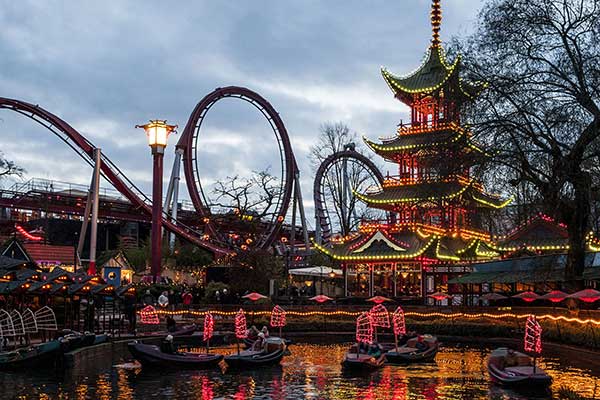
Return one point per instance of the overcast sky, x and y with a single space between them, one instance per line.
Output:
105 66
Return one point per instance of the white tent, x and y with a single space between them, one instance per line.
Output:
316 271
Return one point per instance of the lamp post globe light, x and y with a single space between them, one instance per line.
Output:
158 132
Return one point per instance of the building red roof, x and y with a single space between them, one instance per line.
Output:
40 252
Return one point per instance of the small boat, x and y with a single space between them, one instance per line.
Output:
408 353
72 340
274 350
362 362
41 355
151 356
521 373
248 343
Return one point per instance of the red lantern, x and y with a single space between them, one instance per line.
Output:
209 323
380 316
149 316
533 336
364 329
278 317
399 322
240 325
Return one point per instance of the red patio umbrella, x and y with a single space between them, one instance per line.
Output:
254 296
555 296
321 298
439 296
587 295
527 296
379 299
493 297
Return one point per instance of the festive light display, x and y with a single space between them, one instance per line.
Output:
533 336
278 317
209 324
339 313
28 235
380 316
148 315
364 329
399 322
379 299
240 325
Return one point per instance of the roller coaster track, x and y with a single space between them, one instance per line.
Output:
109 170
321 212
188 142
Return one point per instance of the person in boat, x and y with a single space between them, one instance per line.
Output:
167 346
253 332
421 345
374 350
265 331
259 342
511 359
171 324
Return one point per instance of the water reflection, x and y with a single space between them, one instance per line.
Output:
311 372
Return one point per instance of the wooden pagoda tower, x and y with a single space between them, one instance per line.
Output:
437 231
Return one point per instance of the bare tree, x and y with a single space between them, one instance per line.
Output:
343 178
9 168
256 195
541 112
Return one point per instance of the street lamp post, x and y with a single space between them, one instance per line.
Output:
157 131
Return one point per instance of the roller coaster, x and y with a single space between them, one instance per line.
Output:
139 206
210 234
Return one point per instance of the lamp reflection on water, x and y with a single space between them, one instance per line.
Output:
312 371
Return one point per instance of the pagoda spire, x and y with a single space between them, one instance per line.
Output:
436 22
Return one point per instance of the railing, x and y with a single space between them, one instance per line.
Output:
41 185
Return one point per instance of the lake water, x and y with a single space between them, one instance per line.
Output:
313 371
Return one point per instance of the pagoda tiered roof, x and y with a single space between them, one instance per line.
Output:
432 191
408 243
431 76
423 138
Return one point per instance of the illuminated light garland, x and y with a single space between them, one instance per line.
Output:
148 315
468 247
240 325
444 256
489 254
374 258
380 316
490 204
399 322
379 235
533 336
278 319
209 324
382 148
407 314
436 22
364 328
27 235
367 199
391 79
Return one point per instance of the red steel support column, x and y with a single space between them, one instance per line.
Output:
156 240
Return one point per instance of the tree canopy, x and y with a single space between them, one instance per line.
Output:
540 113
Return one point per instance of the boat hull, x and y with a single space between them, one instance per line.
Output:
44 355
245 360
151 356
362 362
523 376
426 356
